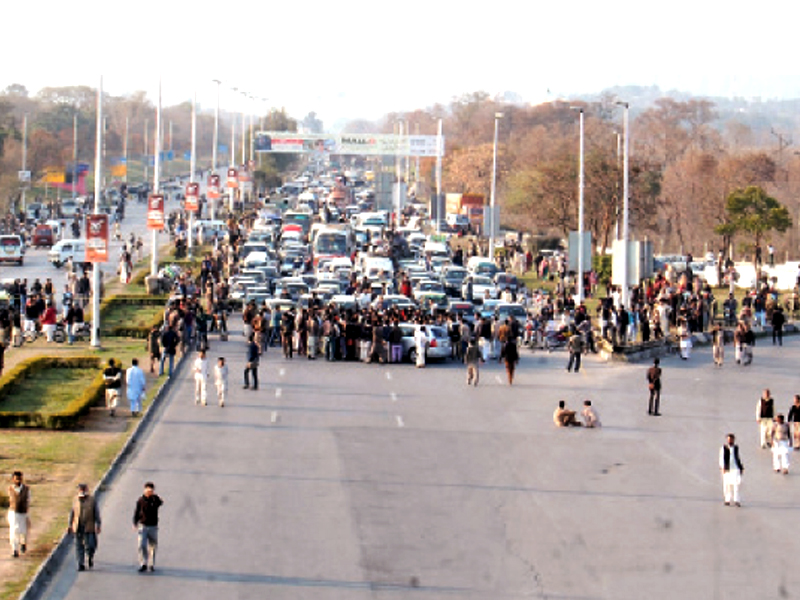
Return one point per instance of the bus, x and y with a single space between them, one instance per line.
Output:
303 219
331 243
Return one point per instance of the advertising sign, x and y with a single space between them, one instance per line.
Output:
97 238
192 202
213 187
233 181
155 212
346 143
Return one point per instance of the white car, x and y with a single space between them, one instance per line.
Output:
481 285
427 285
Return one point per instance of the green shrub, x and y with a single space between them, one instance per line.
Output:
68 416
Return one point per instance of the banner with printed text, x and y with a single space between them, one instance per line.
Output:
97 238
155 212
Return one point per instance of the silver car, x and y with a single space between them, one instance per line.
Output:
438 342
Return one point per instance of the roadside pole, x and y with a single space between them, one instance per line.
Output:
156 174
192 168
98 177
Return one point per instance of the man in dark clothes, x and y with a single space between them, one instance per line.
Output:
145 523
654 384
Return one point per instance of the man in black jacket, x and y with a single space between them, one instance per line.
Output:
251 367
145 523
732 468
169 344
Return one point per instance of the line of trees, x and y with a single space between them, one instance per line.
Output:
685 162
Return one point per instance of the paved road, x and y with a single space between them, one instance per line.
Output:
36 264
351 481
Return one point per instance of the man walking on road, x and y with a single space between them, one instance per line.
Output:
113 380
221 380
84 523
200 378
251 367
18 502
575 347
169 343
765 413
134 377
732 468
145 523
654 384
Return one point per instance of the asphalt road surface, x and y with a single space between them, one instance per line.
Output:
354 481
36 264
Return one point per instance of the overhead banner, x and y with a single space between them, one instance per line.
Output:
213 187
97 238
155 212
346 143
192 203
233 179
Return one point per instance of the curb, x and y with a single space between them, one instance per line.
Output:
54 560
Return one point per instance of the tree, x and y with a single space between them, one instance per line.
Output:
752 211
312 124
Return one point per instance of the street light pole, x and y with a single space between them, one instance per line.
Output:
233 157
625 230
98 177
581 266
213 202
192 169
439 193
156 175
24 158
74 153
493 225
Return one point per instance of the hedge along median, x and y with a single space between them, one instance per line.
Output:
131 316
50 392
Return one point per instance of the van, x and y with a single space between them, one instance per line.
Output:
43 236
66 250
11 249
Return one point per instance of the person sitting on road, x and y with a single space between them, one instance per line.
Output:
589 414
563 417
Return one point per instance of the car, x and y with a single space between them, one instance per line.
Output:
452 277
397 301
428 300
43 236
486 310
463 308
481 286
506 281
239 287
438 345
426 286
503 310
293 286
344 302
69 209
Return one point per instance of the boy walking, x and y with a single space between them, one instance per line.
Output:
221 380
473 358
200 376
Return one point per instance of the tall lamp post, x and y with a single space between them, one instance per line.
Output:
580 206
193 169
492 215
625 232
213 203
156 183
98 178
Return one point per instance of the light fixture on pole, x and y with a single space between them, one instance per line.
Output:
439 193
625 233
213 201
98 178
193 171
156 176
492 201
579 287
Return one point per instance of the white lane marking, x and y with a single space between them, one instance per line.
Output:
282 372
393 396
274 416
400 422
497 379
278 392
389 375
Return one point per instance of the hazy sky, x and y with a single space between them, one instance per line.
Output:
364 59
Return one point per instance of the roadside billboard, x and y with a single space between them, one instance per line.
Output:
97 238
348 143
155 212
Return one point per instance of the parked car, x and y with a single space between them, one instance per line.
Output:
438 345
43 236
480 286
506 281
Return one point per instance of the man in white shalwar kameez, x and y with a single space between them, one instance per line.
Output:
732 468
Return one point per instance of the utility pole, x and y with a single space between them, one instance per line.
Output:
24 158
156 175
98 176
74 153
192 167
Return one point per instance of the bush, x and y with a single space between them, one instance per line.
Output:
601 264
131 331
63 419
